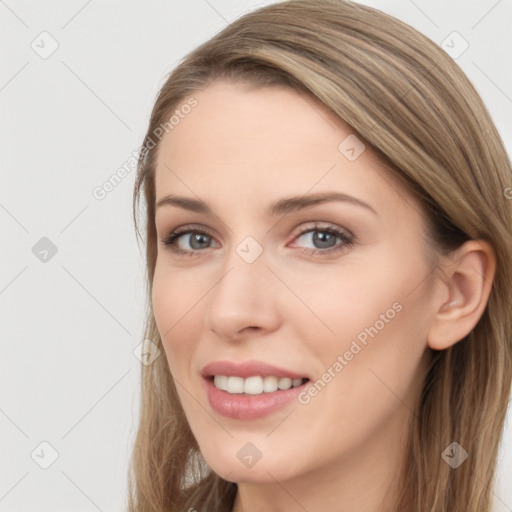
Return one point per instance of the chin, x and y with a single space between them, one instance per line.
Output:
247 464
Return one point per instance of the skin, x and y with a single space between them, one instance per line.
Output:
239 150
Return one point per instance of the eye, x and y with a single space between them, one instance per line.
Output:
324 239
192 240
188 240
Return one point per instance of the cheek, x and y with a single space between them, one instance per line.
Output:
177 308
342 303
375 322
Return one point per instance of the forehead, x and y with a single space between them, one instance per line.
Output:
266 142
228 114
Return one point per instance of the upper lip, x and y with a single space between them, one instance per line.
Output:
248 369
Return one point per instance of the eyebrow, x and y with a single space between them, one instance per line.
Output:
279 207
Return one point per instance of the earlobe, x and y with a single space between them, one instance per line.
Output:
469 273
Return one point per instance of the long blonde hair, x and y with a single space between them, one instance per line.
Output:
417 109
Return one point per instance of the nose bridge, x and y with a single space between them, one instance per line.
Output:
241 296
245 272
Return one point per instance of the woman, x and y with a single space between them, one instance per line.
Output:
328 238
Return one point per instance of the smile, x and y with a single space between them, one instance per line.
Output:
251 389
255 385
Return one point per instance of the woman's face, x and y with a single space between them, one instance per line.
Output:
299 257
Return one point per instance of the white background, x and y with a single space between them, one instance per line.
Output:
69 121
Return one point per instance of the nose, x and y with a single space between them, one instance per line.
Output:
244 300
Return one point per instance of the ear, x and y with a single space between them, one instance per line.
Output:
466 284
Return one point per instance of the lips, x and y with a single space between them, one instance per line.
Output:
249 369
242 406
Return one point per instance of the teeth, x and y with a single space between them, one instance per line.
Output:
285 383
235 385
221 382
270 384
254 385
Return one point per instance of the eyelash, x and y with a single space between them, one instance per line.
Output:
347 241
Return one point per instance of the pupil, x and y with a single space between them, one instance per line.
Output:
322 239
197 239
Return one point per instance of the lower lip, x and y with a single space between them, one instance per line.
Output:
249 407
